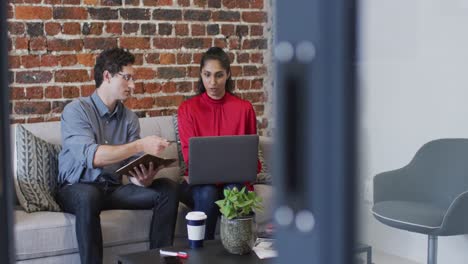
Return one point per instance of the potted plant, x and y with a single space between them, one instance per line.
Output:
237 219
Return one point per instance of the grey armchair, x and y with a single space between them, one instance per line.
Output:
429 195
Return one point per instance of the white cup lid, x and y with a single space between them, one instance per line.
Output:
196 215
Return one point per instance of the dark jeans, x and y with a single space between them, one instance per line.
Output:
87 200
203 198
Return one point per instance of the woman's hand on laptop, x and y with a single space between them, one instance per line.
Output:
142 175
153 145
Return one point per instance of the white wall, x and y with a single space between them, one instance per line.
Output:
413 73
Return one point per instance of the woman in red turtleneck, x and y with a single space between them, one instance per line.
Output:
215 111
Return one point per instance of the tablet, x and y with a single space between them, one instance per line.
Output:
145 160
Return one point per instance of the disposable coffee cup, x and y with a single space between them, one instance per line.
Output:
196 228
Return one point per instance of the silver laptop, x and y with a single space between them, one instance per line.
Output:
223 159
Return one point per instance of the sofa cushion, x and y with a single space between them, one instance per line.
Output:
44 234
36 172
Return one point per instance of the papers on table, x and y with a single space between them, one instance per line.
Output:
264 248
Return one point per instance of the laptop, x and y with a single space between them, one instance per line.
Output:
223 159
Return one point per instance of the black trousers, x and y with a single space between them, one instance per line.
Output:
87 200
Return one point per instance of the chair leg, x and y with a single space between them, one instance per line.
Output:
432 249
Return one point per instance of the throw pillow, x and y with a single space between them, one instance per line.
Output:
182 165
36 172
264 176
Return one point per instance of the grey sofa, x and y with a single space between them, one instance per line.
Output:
49 237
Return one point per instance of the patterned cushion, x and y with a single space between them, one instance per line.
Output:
263 177
36 173
182 165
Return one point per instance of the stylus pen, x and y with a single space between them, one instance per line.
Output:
179 254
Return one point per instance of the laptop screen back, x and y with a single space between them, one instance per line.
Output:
223 159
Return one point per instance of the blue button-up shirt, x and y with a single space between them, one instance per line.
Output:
87 123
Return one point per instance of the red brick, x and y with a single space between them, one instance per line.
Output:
57 106
64 44
163 112
243 57
157 2
259 109
171 72
256 30
184 87
34 92
181 30
138 88
67 60
254 17
52 28
184 58
92 28
197 43
14 62
234 43
152 87
33 77
114 28
71 28
254 97
16 28
30 108
167 58
30 61
135 43
53 92
70 13
91 2
87 90
48 60
99 43
243 84
152 58
256 4
197 57
35 119
86 59
227 30
236 71
166 43
38 44
193 72
139 103
233 16
71 2
33 12
17 93
71 92
17 120
169 87
198 30
21 43
220 42
10 11
257 84
72 76
168 101
255 44
145 74
200 3
183 2
52 2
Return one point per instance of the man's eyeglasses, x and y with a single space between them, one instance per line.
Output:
127 77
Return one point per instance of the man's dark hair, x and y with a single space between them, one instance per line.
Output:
111 60
215 53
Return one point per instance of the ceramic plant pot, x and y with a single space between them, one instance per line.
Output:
237 235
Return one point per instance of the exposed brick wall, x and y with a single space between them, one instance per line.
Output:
53 46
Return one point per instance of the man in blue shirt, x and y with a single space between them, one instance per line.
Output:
99 135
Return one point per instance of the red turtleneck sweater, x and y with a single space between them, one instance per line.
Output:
202 116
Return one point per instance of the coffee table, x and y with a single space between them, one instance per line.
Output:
212 252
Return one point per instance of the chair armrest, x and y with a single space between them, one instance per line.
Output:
456 219
392 185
